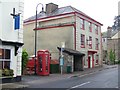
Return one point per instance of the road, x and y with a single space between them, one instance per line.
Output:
102 79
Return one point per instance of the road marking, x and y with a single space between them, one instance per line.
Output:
80 85
85 74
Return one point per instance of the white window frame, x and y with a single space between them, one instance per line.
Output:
6 47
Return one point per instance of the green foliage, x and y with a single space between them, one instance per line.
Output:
24 59
11 72
118 61
7 72
112 56
0 73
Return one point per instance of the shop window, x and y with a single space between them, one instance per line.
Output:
5 58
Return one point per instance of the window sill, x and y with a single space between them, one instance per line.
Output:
6 77
82 28
82 46
90 47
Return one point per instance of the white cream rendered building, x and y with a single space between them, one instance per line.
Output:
69 25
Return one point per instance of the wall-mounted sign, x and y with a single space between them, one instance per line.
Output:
61 61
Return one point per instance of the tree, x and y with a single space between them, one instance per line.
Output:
24 59
112 56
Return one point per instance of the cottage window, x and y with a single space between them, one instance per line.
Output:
4 58
82 41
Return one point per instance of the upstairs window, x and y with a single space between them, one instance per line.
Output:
82 24
97 44
96 29
82 41
90 26
90 42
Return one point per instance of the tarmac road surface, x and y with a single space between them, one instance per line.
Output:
102 79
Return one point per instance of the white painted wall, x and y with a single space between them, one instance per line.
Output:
7 29
7 32
0 19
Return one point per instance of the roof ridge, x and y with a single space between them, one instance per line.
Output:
66 9
75 9
72 8
64 6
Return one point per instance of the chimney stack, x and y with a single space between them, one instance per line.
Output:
50 7
109 32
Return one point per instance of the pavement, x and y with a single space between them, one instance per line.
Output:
29 79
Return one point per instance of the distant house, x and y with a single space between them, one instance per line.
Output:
106 40
114 39
113 44
104 46
11 36
80 34
111 40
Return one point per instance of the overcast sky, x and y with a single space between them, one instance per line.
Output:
103 11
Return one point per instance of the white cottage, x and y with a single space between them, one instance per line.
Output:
11 35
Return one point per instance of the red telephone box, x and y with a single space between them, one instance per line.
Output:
43 66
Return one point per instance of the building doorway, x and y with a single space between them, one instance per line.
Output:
89 62
91 59
78 63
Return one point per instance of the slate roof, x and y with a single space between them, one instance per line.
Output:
62 10
114 32
71 51
104 34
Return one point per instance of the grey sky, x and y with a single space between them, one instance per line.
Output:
103 11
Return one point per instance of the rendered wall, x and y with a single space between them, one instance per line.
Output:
9 34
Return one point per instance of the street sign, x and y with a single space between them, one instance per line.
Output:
61 61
